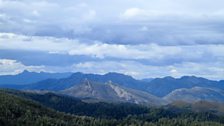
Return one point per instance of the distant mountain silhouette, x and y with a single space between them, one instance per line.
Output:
163 86
158 87
27 77
77 78
147 79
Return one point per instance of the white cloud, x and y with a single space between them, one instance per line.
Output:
173 11
133 68
139 70
172 22
91 15
36 13
11 67
144 28
102 50
163 36
34 16
151 52
133 12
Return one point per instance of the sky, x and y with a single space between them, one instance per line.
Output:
141 38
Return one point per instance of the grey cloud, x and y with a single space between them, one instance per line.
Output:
171 23
139 70
148 53
9 66
38 58
140 37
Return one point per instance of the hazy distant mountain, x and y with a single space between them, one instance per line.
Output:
221 82
27 77
147 79
158 87
77 78
196 94
110 92
163 86
121 79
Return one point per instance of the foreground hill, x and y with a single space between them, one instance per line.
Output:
200 106
16 110
80 106
196 94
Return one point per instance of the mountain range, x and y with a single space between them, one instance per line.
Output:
54 84
195 94
27 77
116 87
163 86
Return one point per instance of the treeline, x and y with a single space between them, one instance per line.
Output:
77 107
16 110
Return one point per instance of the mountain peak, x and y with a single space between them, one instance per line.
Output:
113 73
118 75
76 74
25 71
189 77
193 79
169 78
30 72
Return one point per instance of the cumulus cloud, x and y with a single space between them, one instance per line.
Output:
133 13
99 50
176 10
133 68
36 17
139 70
11 67
168 22
141 38
143 60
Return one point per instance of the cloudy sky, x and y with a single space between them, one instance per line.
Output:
142 38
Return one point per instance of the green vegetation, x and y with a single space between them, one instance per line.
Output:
15 111
77 107
20 108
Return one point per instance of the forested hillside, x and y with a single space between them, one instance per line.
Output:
18 109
